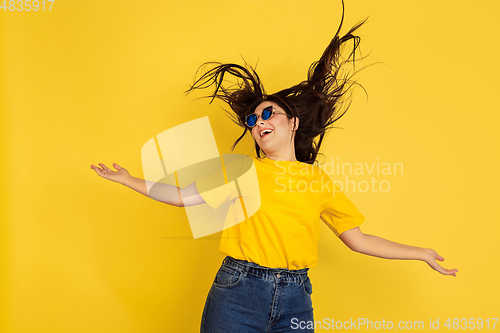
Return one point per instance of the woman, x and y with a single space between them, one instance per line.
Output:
263 284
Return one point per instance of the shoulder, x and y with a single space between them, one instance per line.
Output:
318 170
238 164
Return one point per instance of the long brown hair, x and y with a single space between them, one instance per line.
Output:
317 102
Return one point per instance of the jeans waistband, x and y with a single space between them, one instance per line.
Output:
298 276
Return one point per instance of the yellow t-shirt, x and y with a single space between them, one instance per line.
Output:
284 231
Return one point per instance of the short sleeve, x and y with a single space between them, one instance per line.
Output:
213 187
338 212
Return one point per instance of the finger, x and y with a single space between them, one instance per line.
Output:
105 167
437 267
445 271
97 169
451 272
117 167
438 257
448 272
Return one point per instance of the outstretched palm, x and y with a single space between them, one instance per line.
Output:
431 261
116 176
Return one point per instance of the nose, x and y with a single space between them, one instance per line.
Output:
259 123
260 120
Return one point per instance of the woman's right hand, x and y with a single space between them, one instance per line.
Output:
115 176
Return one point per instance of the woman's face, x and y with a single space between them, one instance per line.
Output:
281 129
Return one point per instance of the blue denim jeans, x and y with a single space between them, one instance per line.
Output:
248 298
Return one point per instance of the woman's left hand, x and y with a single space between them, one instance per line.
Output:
430 258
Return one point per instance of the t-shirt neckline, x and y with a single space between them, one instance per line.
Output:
266 159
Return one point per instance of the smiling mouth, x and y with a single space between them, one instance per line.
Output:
265 135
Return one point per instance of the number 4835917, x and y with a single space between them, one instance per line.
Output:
26 5
472 323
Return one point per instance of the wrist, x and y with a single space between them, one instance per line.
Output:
425 254
126 180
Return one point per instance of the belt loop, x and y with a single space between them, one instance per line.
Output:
245 271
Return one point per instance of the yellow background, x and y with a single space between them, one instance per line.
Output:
92 81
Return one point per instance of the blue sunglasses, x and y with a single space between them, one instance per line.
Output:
267 113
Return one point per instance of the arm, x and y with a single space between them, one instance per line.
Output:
383 248
169 194
165 193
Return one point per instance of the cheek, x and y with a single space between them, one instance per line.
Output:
281 125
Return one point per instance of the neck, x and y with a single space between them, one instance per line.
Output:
282 156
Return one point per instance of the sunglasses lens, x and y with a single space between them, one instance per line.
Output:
251 120
267 113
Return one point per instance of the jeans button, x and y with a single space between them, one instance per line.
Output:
278 276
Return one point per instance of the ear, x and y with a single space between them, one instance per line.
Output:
296 123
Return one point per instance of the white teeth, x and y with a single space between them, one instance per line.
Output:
265 131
